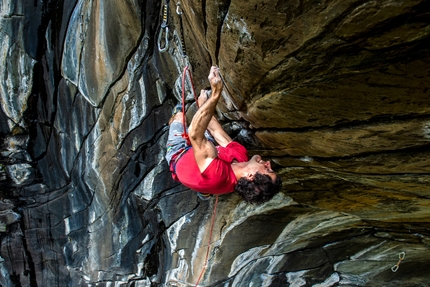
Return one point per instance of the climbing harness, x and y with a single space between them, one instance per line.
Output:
209 242
177 157
164 29
401 257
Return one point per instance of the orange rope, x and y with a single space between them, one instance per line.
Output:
209 243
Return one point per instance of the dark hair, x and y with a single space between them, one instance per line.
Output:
259 190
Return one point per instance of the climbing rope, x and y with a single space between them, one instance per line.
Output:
164 29
184 135
184 122
185 72
209 242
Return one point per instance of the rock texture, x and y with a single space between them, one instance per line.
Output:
335 93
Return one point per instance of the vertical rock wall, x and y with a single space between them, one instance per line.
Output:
334 92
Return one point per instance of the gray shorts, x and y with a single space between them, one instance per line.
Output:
175 142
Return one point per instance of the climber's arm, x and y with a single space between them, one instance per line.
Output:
214 127
205 151
220 136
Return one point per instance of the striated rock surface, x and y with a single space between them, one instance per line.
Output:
335 93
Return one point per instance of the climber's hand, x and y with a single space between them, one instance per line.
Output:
215 79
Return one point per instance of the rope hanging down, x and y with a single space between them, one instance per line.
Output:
209 242
164 29
185 136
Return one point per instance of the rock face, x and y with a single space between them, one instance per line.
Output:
335 93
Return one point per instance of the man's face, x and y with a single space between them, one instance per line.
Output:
257 164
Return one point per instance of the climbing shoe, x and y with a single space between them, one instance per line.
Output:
177 109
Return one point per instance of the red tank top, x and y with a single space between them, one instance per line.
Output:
218 177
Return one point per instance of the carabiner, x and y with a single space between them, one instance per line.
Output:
166 31
395 268
178 7
166 40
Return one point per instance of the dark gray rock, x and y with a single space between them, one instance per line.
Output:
335 93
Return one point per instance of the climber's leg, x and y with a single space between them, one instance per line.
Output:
175 143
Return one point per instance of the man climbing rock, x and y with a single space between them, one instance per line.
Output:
214 163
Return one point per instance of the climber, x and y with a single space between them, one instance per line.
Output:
216 169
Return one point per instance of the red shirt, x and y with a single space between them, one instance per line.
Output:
218 177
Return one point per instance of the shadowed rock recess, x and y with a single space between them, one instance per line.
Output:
335 93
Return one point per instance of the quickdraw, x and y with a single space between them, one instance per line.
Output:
164 29
179 12
401 257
